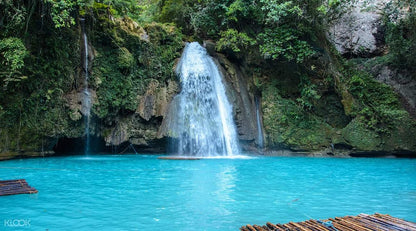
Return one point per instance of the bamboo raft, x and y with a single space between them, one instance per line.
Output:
362 222
13 187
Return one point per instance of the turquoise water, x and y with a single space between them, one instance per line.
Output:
135 192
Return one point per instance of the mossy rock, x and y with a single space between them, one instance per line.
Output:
288 125
360 137
402 137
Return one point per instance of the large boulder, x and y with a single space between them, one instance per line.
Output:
360 32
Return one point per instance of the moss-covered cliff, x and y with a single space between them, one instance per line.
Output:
131 81
313 97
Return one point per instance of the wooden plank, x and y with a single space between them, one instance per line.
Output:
341 225
380 225
396 220
244 228
301 227
266 228
367 226
362 222
282 227
11 181
259 228
13 187
251 228
274 227
316 226
288 227
385 223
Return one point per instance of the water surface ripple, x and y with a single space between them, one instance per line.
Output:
135 192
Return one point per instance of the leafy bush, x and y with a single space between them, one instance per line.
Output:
12 55
233 40
401 33
284 43
379 106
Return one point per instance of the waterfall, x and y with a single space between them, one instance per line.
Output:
86 96
203 122
260 141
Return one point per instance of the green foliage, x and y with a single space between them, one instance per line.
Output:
125 60
117 89
12 18
63 13
176 11
277 11
401 33
124 67
379 105
287 123
242 10
282 30
208 18
60 12
309 94
34 110
232 39
146 10
12 55
12 51
284 43
138 10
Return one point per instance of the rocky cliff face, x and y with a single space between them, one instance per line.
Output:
131 82
240 93
360 32
147 63
332 125
142 128
402 82
319 107
360 37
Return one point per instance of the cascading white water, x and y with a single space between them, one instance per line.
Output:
260 141
86 98
204 124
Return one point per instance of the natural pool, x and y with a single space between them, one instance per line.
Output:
141 192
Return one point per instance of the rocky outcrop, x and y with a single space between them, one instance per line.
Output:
402 83
241 94
74 100
143 127
133 130
362 140
155 101
360 32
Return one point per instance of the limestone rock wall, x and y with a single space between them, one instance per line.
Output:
359 33
241 97
142 127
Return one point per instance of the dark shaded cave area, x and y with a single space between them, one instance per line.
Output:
77 146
